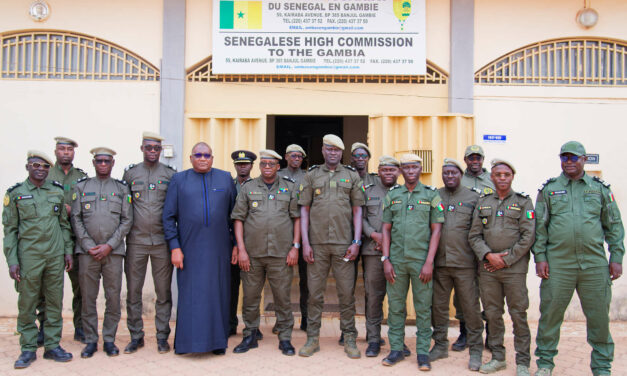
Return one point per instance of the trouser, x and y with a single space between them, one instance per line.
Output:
495 288
135 264
40 277
464 281
407 272
89 276
594 288
77 299
235 281
279 277
327 257
459 311
374 283
302 284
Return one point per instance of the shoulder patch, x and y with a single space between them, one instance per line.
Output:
605 184
121 181
350 167
313 167
13 187
545 183
285 177
476 190
130 166
394 187
81 179
522 194
54 182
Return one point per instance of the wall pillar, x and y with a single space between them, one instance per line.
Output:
461 78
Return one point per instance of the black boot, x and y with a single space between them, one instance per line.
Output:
79 335
249 342
58 354
25 359
460 344
287 348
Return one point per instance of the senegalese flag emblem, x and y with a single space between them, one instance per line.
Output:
363 188
611 197
440 207
240 14
531 214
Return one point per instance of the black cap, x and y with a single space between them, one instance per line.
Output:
243 156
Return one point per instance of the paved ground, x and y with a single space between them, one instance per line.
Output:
573 359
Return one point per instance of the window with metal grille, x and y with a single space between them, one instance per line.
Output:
59 55
560 62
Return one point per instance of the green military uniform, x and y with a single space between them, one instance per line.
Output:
146 240
574 218
331 195
37 235
267 214
411 215
101 214
506 225
235 278
69 181
456 267
297 175
481 182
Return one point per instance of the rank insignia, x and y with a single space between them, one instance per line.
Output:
499 213
270 197
318 191
531 214
255 204
87 206
151 186
137 194
410 207
345 180
484 221
7 200
282 190
451 208
74 196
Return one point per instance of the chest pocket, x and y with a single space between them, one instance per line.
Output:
255 202
463 215
592 203
115 203
138 190
282 201
486 216
344 189
88 205
27 209
511 218
56 204
419 213
559 204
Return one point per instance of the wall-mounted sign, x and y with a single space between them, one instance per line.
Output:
494 138
592 159
319 37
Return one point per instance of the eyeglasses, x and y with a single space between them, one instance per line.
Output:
152 147
103 161
572 158
267 164
474 157
202 155
360 156
296 156
45 166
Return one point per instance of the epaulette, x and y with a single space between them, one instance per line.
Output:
486 194
368 186
172 167
545 183
313 167
522 194
350 167
81 179
285 177
606 184
80 170
431 187
54 182
476 190
130 166
247 180
121 181
394 187
13 187
374 174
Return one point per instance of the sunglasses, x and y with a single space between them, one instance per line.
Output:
267 164
45 166
474 157
202 155
360 156
103 161
572 158
152 147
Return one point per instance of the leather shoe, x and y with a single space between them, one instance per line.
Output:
163 346
406 351
25 359
79 335
423 362
259 335
460 344
374 348
286 348
111 349
58 354
40 336
393 358
89 350
219 351
249 342
133 346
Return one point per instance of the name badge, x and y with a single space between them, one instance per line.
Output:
499 213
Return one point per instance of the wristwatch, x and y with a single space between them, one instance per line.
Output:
358 242
383 258
296 245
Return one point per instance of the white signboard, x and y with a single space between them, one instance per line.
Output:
319 37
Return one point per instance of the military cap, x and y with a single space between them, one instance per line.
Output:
243 156
152 136
454 163
293 147
474 149
66 141
498 161
40 155
386 160
358 145
410 158
573 147
333 140
102 151
269 154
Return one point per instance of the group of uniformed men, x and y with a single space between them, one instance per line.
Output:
474 236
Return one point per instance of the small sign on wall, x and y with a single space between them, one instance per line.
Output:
498 138
592 159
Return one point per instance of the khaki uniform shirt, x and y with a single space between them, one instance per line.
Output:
372 216
296 176
371 178
267 215
148 188
101 213
481 182
454 249
35 222
507 225
68 181
574 218
411 215
331 195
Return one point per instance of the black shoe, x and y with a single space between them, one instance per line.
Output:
133 346
232 331
374 348
460 344
393 358
58 355
249 342
381 341
25 359
423 362
303 323
341 340
406 351
89 350
79 335
111 349
286 348
260 335
40 336
219 351
163 346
